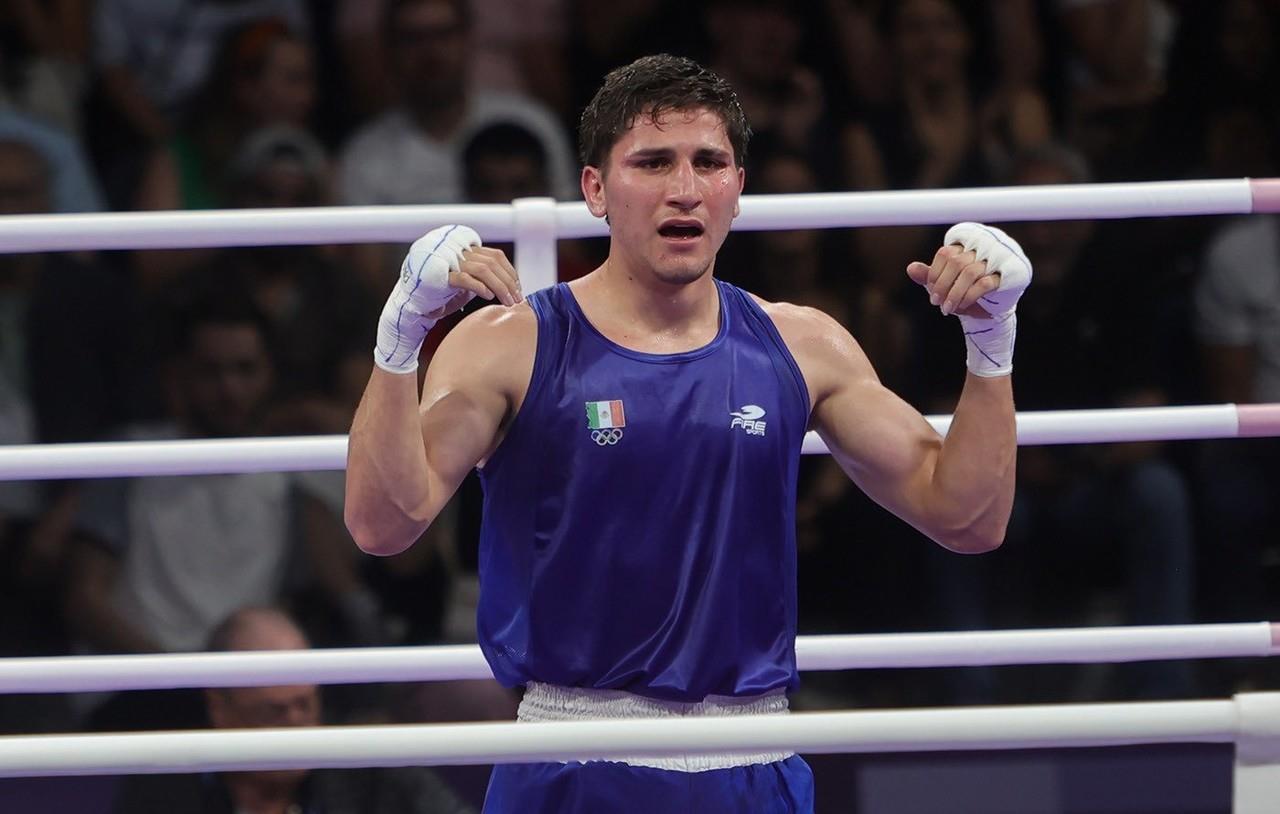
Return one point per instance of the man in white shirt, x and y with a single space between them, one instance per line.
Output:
1237 322
412 153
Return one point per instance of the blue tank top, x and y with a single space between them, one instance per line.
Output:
638 530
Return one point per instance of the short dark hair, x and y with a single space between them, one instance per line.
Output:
651 86
504 139
207 304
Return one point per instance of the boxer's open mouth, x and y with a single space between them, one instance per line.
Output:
681 229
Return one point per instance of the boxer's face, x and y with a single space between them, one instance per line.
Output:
670 188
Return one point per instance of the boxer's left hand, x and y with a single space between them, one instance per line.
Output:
979 272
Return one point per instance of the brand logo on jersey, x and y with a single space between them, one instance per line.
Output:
748 418
606 419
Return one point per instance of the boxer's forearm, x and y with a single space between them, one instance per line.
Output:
974 476
387 475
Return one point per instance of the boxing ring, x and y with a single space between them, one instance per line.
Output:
1250 721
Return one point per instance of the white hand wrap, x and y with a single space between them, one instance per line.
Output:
420 295
990 339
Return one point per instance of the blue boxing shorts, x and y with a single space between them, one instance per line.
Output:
766 783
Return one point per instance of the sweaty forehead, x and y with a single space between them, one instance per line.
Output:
698 128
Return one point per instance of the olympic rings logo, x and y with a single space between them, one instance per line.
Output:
607 437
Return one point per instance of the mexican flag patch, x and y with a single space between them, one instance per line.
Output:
604 415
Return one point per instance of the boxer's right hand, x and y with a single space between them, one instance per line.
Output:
443 270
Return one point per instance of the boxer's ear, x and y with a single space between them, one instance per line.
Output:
593 192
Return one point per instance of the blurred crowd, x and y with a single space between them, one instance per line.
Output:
200 104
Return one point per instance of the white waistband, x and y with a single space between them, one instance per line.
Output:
548 702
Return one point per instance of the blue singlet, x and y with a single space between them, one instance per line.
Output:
639 516
653 552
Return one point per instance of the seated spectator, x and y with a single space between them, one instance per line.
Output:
939 128
55 385
412 154
521 53
72 185
278 165
1017 45
757 46
151 57
160 561
798 265
504 161
1116 64
157 562
409 790
1237 322
43 49
1099 534
262 76
1220 115
313 300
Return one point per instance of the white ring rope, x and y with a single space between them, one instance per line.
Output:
498 222
450 662
1024 727
311 453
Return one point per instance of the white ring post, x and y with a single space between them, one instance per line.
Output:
535 238
1257 772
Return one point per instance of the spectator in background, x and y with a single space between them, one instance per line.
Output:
151 58
867 66
157 562
72 185
797 265
756 47
504 161
43 49
1117 514
312 299
1237 322
412 154
521 48
603 36
1116 60
161 560
938 129
408 790
1221 113
77 391
262 76
56 384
